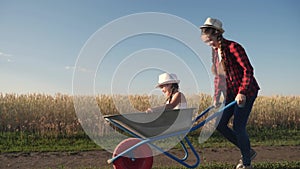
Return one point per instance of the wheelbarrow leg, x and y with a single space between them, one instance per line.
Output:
182 160
185 151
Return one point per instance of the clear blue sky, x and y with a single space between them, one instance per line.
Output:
41 40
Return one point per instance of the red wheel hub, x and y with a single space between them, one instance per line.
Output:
139 158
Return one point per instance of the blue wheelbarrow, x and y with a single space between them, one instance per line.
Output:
135 153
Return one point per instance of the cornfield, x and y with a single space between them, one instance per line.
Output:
54 115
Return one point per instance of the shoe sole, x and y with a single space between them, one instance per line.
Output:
240 164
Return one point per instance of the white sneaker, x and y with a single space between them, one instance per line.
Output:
253 154
241 166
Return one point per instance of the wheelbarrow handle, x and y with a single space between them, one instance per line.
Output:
203 113
211 116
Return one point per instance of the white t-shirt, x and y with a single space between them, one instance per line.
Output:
181 106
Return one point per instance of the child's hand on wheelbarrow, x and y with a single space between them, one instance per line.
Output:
156 109
149 110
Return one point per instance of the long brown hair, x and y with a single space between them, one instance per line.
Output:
218 34
174 88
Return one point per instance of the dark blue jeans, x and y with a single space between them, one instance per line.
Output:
238 134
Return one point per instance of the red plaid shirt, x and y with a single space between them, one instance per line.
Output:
239 72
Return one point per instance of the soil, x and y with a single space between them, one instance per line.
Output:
97 159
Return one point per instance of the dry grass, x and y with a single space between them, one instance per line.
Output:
48 115
276 111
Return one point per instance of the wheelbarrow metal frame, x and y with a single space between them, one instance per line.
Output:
183 132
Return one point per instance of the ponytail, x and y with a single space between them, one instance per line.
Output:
221 46
213 66
174 88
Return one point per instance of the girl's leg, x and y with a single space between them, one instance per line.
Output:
241 116
223 128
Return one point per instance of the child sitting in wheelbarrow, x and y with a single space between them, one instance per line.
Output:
172 126
168 83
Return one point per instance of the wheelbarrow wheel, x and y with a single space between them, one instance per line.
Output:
143 154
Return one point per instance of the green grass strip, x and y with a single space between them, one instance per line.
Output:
29 142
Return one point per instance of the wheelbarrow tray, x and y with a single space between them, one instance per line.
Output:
170 123
153 124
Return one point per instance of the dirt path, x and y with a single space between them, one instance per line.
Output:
37 160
